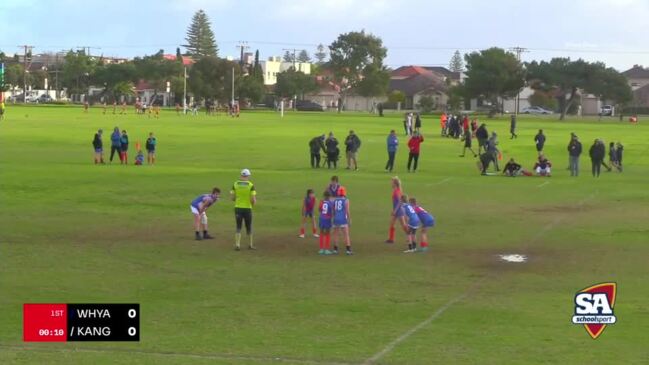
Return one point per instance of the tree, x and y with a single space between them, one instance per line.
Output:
157 70
251 88
565 78
211 78
179 56
493 74
200 38
321 54
427 103
397 96
456 64
303 56
257 70
115 77
13 74
543 99
356 58
294 83
288 57
76 72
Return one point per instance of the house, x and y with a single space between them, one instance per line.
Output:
638 77
147 94
416 81
275 65
187 61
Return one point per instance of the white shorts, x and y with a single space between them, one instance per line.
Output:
340 225
194 210
545 171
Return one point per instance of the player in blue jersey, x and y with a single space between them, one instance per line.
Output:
198 208
342 220
427 221
326 210
411 222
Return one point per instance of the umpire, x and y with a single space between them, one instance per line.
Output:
315 145
245 196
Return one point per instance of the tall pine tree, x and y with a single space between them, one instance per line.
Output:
321 54
456 64
200 38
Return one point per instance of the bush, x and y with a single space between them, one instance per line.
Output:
427 104
397 96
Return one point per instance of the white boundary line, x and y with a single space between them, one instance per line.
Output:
542 185
440 182
221 357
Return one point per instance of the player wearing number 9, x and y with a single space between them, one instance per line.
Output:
342 220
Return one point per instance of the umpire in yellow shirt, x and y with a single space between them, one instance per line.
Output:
244 197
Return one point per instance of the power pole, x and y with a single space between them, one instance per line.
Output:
294 55
86 49
243 45
518 50
26 50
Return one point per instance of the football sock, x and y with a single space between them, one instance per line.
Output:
328 241
314 230
302 230
424 244
250 236
391 233
237 239
204 233
321 241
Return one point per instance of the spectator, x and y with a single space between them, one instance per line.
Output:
98 146
512 127
409 124
380 108
393 144
482 135
612 157
539 139
352 144
123 155
574 151
620 151
417 122
115 144
442 123
315 146
151 144
542 167
414 143
331 145
597 153
139 158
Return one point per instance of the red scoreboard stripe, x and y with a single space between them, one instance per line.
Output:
45 322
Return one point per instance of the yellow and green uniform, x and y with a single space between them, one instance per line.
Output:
243 191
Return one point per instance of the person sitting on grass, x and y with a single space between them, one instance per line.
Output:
542 167
139 158
513 169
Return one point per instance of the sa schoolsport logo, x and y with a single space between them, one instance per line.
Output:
594 308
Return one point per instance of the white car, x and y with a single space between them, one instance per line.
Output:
536 110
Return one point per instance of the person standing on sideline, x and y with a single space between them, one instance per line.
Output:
417 122
380 109
620 152
512 127
397 212
482 135
352 144
539 139
115 144
244 196
198 208
332 151
409 124
612 157
442 123
393 144
574 151
151 144
467 144
123 154
98 146
414 143
315 146
597 153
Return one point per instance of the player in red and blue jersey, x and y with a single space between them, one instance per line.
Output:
427 221
326 215
342 220
198 208
308 205
333 186
397 212
411 221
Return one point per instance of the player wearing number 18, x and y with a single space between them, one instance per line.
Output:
342 220
244 197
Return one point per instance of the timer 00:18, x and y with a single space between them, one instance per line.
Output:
55 332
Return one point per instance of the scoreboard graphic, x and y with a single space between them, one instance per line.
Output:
80 322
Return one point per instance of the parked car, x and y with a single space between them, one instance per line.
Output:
45 98
536 110
308 106
18 98
606 111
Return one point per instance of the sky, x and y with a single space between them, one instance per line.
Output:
416 32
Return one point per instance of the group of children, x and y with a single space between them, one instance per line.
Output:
334 214
119 145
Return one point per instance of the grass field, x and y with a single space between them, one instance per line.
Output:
71 232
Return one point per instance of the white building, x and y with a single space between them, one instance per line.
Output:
275 65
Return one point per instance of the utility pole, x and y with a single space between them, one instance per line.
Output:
294 55
185 90
243 45
232 86
518 50
86 49
26 50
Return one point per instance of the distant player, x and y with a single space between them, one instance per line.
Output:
427 222
114 107
334 186
104 106
198 208
397 212
326 215
341 221
245 196
2 109
85 106
411 222
177 109
156 111
123 110
308 205
151 144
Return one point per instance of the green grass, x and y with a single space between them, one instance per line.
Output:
71 231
